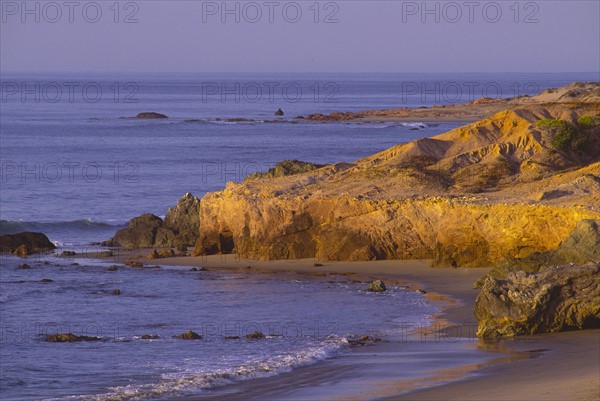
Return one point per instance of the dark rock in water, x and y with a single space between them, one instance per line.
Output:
133 263
377 286
422 291
286 168
104 254
47 280
74 264
150 337
69 338
255 335
68 253
557 298
189 335
116 292
113 268
318 265
279 113
179 229
24 266
151 115
299 118
26 242
231 337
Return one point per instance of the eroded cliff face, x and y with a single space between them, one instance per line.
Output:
475 196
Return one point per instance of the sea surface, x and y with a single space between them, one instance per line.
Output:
75 166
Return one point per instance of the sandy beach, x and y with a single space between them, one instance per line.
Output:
558 366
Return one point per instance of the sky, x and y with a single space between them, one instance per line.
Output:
300 36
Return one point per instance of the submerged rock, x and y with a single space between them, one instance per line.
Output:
377 286
557 298
25 243
69 338
189 335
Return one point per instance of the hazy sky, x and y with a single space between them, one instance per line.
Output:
284 36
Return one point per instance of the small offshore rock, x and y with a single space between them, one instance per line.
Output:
69 338
116 292
24 266
133 263
47 280
151 115
377 286
279 113
68 253
189 335
231 337
113 268
255 335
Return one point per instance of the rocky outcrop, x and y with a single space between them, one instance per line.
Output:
189 335
376 286
179 229
69 338
279 113
25 243
150 115
388 205
557 298
286 168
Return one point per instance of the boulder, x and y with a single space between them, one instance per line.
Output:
151 115
179 229
116 292
189 335
377 286
26 242
279 113
557 298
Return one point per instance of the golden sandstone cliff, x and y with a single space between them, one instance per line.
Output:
506 186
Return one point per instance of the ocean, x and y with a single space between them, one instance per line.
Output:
75 166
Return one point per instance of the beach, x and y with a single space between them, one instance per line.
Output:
543 367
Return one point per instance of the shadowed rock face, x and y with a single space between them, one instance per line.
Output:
180 228
462 198
27 242
557 298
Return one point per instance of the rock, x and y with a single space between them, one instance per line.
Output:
376 286
116 292
557 298
113 268
47 280
151 115
163 253
26 242
68 253
104 254
255 335
179 229
69 338
231 337
24 266
140 233
150 337
183 220
21 251
133 263
286 168
318 265
422 291
189 335
279 113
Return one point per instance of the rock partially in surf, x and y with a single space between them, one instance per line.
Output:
231 337
26 243
150 337
104 254
140 233
116 292
151 115
68 253
255 335
189 335
47 280
24 266
279 113
69 338
113 268
184 221
377 286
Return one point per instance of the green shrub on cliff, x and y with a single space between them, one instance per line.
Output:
566 136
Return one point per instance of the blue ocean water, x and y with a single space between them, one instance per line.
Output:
74 169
